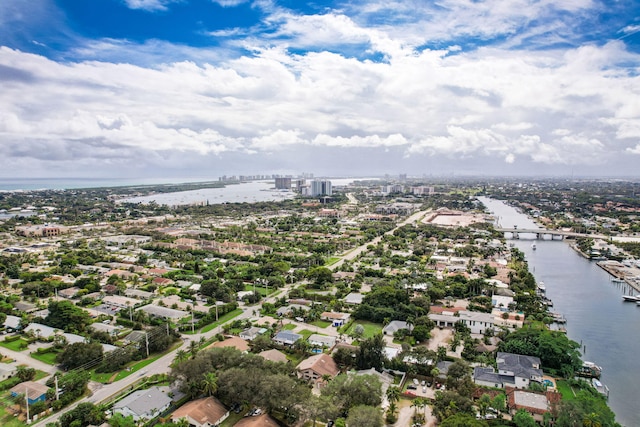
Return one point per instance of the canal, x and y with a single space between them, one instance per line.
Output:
596 315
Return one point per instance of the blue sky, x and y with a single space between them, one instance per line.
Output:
144 88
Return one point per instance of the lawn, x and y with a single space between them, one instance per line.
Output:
565 390
49 358
233 418
306 334
260 289
370 329
321 323
15 345
222 319
289 327
331 260
136 367
7 419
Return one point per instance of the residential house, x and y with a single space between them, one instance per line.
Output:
315 367
144 404
395 326
234 342
7 370
353 298
139 294
163 312
477 322
321 341
13 323
206 412
252 333
501 302
537 404
273 355
336 319
286 338
40 330
33 392
514 370
263 420
69 292
119 301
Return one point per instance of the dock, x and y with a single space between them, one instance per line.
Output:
619 273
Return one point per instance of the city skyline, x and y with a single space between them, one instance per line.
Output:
178 88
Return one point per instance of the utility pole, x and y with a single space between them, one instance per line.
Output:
146 338
26 401
193 325
57 389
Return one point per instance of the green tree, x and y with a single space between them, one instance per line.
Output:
83 415
371 353
67 316
78 354
119 420
463 420
210 383
363 415
524 419
347 391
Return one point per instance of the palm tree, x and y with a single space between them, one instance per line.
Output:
591 420
193 349
393 395
181 356
210 383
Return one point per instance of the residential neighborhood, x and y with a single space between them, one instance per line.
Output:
282 316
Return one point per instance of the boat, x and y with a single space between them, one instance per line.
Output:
542 288
589 370
631 298
533 246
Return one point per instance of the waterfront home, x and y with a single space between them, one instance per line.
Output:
514 370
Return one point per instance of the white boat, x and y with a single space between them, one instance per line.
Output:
541 287
631 298
533 246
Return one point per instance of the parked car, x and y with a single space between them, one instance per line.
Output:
411 387
415 381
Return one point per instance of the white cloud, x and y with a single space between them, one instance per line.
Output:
149 5
564 106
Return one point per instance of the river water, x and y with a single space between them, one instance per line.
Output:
596 315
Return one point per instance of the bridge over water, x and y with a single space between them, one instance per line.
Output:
541 232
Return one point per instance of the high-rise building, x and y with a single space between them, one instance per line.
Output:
321 188
283 183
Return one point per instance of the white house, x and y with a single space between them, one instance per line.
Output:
144 404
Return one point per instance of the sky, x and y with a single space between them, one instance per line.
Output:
204 88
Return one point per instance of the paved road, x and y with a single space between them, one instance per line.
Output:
24 359
357 251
